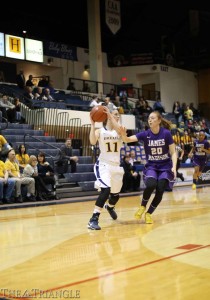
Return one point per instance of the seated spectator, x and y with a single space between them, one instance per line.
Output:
29 82
14 172
7 185
46 95
4 147
37 91
8 109
94 102
28 96
31 171
125 105
132 159
131 178
22 157
109 104
46 172
67 158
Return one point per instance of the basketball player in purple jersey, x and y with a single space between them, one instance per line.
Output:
160 169
109 174
198 153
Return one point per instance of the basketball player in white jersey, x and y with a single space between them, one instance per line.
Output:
109 174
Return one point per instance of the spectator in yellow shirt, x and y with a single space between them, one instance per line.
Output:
6 185
14 172
4 146
22 157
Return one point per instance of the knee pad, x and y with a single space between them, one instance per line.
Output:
113 199
104 195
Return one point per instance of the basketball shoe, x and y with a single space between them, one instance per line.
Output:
148 218
194 186
140 212
111 211
93 224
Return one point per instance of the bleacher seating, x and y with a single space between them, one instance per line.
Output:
82 181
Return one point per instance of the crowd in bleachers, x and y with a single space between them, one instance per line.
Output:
187 122
20 171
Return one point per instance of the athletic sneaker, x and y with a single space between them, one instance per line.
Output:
181 177
148 218
194 186
93 224
111 211
140 212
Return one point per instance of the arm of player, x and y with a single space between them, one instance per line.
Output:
94 133
172 150
125 138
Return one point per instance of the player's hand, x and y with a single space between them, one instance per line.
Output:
174 171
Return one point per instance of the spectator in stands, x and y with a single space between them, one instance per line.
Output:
195 111
94 102
159 107
4 147
177 111
125 105
132 159
198 154
112 95
46 172
37 91
18 115
22 157
188 115
14 172
86 88
29 82
28 96
160 169
47 96
67 158
71 86
43 82
8 109
109 104
6 185
31 171
131 178
20 79
107 169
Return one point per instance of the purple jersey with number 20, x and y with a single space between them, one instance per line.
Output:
157 153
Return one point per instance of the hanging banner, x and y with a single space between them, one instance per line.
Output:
113 16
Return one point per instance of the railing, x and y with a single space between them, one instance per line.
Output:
103 88
58 124
54 158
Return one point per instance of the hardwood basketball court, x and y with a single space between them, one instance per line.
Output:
47 252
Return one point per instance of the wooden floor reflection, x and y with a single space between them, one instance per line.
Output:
47 252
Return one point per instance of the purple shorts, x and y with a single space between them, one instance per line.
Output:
201 163
159 171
